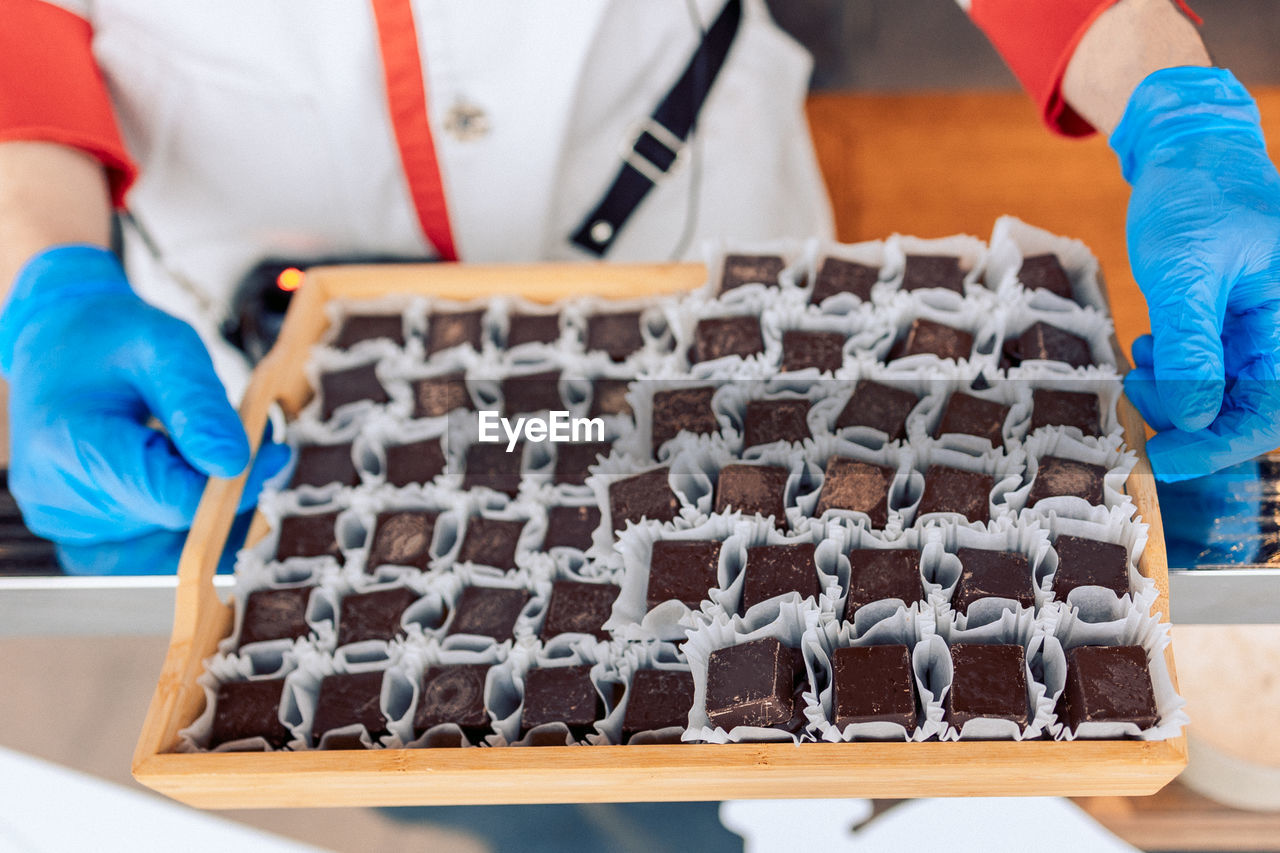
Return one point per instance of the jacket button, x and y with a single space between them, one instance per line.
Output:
466 122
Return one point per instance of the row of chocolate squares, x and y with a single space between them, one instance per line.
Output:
920 272
453 694
760 683
618 334
714 338
689 571
407 537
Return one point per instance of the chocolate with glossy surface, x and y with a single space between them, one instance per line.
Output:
988 682
493 466
1045 272
561 694
573 460
873 684
971 415
402 538
949 489
275 614
1079 409
719 337
491 542
774 570
750 269
856 486
309 536
750 685
823 350
992 574
453 693
579 608
660 699
879 406
646 495
1108 684
532 329
1088 562
1049 343
488 611
571 527
753 490
926 271
245 709
349 699
767 421
1057 476
926 336
682 569
837 275
357 328
373 615
682 410
876 574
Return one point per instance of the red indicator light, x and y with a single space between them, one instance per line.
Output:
289 280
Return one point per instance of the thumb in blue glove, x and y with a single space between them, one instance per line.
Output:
89 365
1204 245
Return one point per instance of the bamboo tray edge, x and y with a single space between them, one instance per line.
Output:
577 774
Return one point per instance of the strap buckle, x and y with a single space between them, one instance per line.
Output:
666 142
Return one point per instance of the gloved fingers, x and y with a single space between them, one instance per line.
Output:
1187 359
154 553
1143 351
1140 388
185 394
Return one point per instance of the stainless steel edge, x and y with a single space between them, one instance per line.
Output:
91 606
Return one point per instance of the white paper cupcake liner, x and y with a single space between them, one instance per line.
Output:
255 575
1102 381
871 253
786 621
380 353
973 257
849 536
222 668
450 586
639 442
690 488
417 658
910 628
731 401
701 463
1108 452
649 655
792 252
904 491
408 308
782 317
396 699
1093 326
1134 629
894 321
1012 240
923 423
684 318
655 329
926 384
1005 469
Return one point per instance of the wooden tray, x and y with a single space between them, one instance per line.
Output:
394 777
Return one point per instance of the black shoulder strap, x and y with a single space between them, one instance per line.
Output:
660 137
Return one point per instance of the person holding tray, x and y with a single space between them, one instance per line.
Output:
235 133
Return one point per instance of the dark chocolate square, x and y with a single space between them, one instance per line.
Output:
873 684
402 538
720 337
876 574
878 406
616 333
561 694
682 410
988 681
579 608
1088 562
275 614
609 397
683 570
349 699
573 460
309 536
532 329
971 415
373 615
322 464
926 271
245 709
660 699
1045 272
448 329
357 328
491 542
767 421
1058 476
647 495
858 487
532 392
753 490
1108 684
750 269
926 336
949 489
571 527
840 276
453 693
992 574
339 388
491 465
488 611
823 350
774 570
439 395
750 685
419 462
1049 343
1079 409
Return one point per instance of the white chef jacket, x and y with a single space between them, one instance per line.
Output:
262 128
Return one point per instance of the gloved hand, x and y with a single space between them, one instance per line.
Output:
1204 245
89 364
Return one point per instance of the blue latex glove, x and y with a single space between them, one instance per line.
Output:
89 364
1204 245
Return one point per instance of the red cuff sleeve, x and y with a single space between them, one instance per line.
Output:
1036 39
52 91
